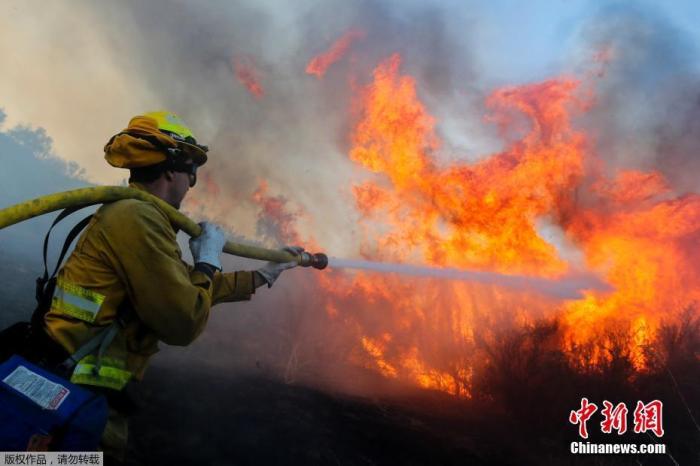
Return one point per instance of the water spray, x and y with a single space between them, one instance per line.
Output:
566 287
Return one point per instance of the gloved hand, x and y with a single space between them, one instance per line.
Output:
272 270
208 246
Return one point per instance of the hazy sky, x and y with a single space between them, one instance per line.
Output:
81 69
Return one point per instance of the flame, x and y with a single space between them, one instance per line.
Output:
320 63
629 227
283 221
375 349
248 75
646 248
484 215
467 216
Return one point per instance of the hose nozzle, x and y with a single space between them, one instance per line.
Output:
318 261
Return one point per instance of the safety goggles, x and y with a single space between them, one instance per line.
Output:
192 173
189 168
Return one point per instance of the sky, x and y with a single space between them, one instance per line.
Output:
80 70
527 40
68 68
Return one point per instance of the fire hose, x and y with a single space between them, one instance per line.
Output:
85 197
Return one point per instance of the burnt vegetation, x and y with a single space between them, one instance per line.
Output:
531 384
261 388
281 408
522 391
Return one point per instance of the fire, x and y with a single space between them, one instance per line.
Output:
630 228
248 75
644 242
320 63
283 225
376 350
479 215
484 215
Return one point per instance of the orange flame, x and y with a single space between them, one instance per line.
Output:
248 75
469 216
320 63
630 228
275 209
484 215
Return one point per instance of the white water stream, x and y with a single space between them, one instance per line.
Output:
567 287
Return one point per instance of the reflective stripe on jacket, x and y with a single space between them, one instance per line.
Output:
129 251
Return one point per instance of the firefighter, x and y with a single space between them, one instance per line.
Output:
125 287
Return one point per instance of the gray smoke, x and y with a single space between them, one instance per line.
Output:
31 170
648 98
110 60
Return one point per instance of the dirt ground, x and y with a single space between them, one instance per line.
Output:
192 418
198 418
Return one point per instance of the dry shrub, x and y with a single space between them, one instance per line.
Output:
532 382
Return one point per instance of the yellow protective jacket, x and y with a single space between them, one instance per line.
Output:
129 252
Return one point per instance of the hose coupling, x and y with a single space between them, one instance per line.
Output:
318 261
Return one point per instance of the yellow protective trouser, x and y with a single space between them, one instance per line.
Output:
115 437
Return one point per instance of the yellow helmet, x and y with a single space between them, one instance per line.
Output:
153 138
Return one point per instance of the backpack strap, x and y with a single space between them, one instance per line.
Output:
44 294
75 231
45 284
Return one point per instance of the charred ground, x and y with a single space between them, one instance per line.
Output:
194 413
518 414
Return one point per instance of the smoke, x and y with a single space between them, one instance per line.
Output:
320 64
101 63
183 56
248 75
646 109
61 72
31 169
